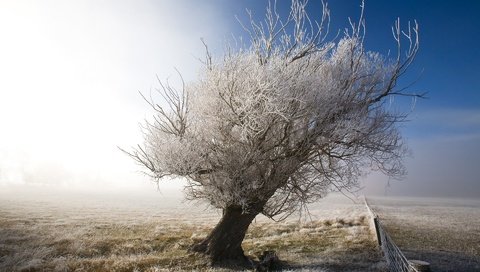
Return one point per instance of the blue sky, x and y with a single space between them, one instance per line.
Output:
71 71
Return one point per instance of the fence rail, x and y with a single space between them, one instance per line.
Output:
396 260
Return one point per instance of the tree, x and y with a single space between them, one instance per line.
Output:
280 122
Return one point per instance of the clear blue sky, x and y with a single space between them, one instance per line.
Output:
70 72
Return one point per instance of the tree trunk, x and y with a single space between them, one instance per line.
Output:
224 243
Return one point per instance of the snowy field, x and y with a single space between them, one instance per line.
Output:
53 230
444 232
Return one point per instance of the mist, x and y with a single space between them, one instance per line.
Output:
445 151
71 73
71 77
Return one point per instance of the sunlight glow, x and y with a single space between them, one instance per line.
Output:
71 73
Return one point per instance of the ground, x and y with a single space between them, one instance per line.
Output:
444 232
65 231
116 232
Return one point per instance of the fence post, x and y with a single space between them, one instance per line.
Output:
379 239
374 218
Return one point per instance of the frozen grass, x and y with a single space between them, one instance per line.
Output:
67 233
444 232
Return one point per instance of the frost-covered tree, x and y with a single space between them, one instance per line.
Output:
278 123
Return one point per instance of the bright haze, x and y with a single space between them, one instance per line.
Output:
71 73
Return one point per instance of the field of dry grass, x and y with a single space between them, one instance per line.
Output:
66 232
443 232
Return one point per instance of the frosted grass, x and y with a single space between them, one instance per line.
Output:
59 231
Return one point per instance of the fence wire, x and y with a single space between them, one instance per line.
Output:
396 260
